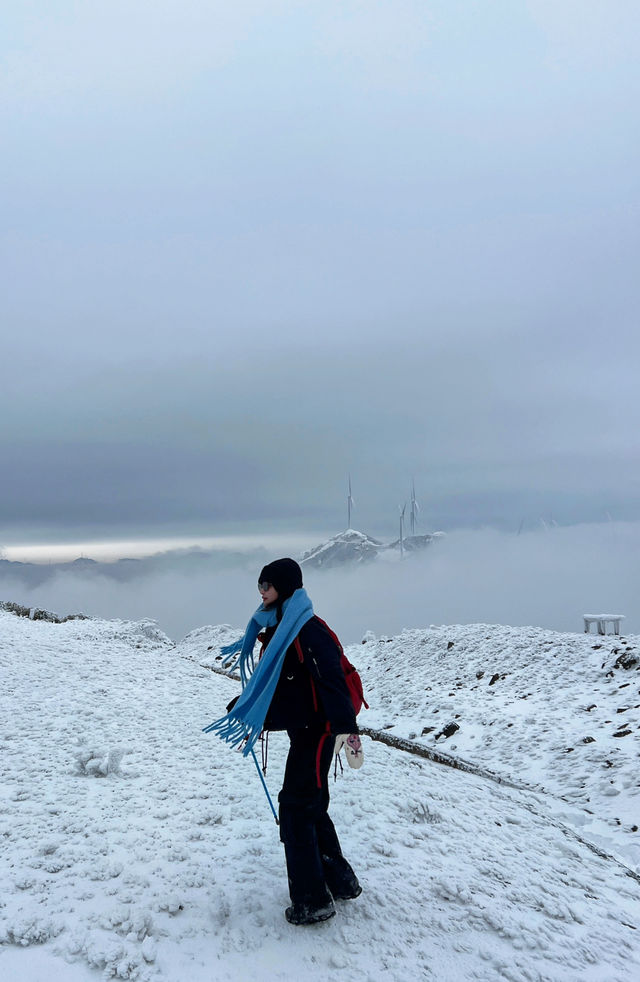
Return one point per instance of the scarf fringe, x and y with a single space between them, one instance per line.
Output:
230 653
236 733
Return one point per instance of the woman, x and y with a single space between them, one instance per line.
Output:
298 686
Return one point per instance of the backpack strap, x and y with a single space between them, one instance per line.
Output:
331 633
298 648
323 739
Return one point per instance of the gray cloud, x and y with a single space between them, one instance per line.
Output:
248 251
492 432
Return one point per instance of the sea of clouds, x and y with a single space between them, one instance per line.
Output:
547 578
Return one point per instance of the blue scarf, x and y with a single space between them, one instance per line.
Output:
246 719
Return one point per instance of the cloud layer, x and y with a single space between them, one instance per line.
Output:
251 248
544 578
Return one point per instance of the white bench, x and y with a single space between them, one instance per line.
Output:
601 621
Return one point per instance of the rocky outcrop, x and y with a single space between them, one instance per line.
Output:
39 614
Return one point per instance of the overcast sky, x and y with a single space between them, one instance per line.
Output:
249 248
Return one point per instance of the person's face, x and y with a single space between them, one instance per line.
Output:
268 593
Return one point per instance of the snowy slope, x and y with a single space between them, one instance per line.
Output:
136 847
350 546
553 711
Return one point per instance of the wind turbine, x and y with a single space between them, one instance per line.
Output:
415 508
402 511
350 504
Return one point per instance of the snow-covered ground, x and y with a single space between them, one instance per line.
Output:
555 712
134 846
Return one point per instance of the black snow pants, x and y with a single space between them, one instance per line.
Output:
315 863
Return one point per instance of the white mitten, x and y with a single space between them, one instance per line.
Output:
352 749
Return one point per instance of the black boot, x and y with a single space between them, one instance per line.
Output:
340 878
310 898
338 875
309 913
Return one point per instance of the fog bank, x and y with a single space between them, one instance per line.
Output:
545 578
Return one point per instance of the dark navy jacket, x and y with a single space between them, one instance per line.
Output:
313 691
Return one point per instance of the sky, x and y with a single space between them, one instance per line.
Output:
249 249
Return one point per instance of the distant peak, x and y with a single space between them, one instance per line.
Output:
350 546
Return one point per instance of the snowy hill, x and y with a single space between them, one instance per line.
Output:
559 712
347 547
135 847
415 543
352 547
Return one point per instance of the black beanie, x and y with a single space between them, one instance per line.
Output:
285 575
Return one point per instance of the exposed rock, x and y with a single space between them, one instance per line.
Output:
13 608
447 731
627 660
38 614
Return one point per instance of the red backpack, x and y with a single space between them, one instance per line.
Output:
351 674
